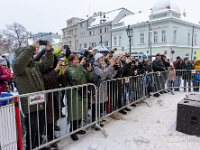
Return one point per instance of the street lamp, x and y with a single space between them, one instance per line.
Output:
129 34
102 19
150 42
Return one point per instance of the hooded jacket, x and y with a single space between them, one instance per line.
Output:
4 76
28 74
197 64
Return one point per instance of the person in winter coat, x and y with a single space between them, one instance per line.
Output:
124 70
187 74
158 66
171 77
4 76
77 105
178 68
101 73
176 61
28 78
149 78
196 75
53 79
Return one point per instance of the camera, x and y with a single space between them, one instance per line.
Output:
87 64
67 50
42 42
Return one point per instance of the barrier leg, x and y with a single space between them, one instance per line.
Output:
18 121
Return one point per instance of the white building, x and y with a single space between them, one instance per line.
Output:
89 29
160 30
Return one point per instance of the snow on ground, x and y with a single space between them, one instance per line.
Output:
144 128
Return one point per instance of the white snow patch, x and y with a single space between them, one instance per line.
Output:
144 128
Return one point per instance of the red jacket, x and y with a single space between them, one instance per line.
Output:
4 76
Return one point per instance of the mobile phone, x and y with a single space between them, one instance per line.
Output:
42 42
63 64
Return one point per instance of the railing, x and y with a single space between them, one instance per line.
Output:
43 109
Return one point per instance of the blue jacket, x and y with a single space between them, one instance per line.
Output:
197 78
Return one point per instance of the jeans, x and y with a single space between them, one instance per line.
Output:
177 83
189 84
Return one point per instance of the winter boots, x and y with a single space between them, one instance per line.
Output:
116 116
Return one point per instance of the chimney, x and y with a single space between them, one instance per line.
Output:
184 13
140 12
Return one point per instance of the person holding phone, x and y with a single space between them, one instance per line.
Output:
28 78
53 77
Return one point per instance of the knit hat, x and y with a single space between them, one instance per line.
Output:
115 56
3 61
121 53
97 56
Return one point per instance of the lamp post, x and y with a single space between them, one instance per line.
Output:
129 34
150 42
102 19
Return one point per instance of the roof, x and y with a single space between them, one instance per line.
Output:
165 5
137 18
189 19
110 16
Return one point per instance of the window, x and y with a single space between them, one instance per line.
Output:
93 44
188 37
106 43
120 40
115 40
105 30
141 38
91 33
155 36
82 25
85 45
70 44
175 32
80 46
82 34
132 38
100 31
195 39
163 35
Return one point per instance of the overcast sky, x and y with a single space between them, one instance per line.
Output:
51 15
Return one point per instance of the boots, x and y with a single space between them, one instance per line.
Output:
116 116
74 137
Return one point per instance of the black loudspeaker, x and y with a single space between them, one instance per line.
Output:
188 115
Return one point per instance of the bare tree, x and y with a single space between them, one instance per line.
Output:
15 35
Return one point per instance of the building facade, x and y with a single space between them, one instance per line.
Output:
51 37
164 30
90 29
70 36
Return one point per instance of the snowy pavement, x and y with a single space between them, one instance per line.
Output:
144 128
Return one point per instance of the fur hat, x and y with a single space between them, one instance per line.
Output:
3 61
121 53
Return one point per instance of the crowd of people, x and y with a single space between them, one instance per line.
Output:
51 69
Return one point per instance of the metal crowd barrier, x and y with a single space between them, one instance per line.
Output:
116 94
44 109
86 106
8 130
188 80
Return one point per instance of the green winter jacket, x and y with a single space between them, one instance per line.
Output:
28 74
187 71
77 75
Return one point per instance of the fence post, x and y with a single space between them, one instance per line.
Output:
18 121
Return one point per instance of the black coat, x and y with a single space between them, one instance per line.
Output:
158 65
